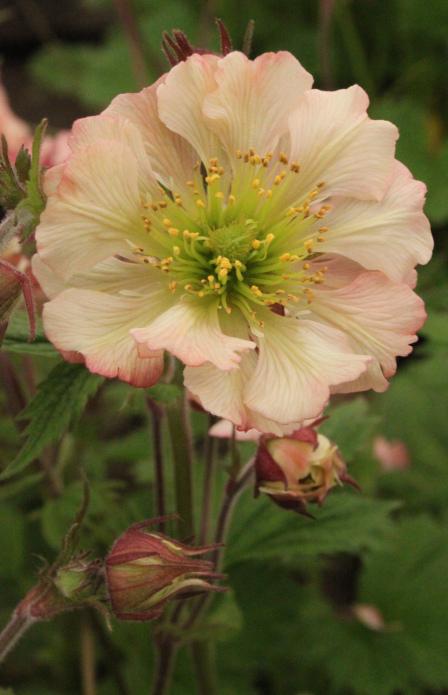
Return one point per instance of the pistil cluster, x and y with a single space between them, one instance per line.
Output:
240 236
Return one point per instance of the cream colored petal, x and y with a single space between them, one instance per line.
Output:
392 235
254 98
379 317
298 362
98 325
191 331
180 100
171 156
335 142
95 212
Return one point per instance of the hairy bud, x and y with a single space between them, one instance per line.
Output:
299 469
145 569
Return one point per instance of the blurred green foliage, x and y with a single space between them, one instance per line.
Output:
289 626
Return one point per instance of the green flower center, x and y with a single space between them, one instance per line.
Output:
237 237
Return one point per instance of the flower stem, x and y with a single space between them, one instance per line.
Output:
87 645
207 490
166 653
181 444
13 631
205 667
159 472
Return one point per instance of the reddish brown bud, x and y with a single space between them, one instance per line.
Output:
298 469
145 569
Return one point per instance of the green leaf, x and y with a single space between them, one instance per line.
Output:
405 581
59 401
12 541
350 425
221 623
347 522
164 393
17 340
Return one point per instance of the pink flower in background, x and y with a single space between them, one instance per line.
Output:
17 132
392 455
259 230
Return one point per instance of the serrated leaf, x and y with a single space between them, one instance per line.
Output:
347 522
59 401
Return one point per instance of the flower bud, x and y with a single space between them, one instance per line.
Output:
145 569
298 469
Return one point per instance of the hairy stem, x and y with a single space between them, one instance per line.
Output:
182 449
207 491
13 631
159 472
165 658
205 667
87 639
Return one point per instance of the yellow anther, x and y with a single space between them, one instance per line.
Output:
256 183
225 263
201 293
283 158
256 243
231 199
295 167
163 204
268 193
321 184
320 238
190 184
238 154
178 200
261 192
306 266
255 159
308 245
285 257
173 231
154 206
213 161
269 238
256 291
323 229
211 179
172 286
309 295
211 279
188 287
194 235
200 203
167 222
176 250
279 178
313 194
219 195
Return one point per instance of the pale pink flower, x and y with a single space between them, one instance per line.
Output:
203 216
17 132
392 455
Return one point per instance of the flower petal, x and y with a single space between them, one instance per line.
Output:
180 98
335 142
191 331
380 318
298 362
95 211
392 235
171 156
222 393
97 325
254 98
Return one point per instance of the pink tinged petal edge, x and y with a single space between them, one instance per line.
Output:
334 141
254 98
298 362
92 213
97 326
192 333
392 235
379 317
180 98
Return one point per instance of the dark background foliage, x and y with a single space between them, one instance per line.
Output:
291 624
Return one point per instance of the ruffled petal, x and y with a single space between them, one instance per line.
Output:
298 362
97 325
171 156
95 212
180 98
379 317
222 393
254 98
191 331
392 235
334 142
